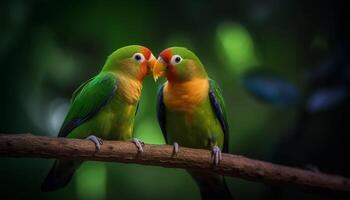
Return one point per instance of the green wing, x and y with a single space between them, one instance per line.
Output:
218 105
77 91
87 101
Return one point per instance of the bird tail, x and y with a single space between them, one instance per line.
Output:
211 185
59 175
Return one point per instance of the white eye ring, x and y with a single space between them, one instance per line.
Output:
176 59
139 57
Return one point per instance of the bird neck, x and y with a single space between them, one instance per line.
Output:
185 96
129 88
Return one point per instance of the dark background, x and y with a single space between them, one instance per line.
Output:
283 67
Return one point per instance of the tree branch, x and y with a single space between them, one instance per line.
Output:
27 145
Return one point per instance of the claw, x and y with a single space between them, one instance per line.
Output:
139 144
175 148
216 155
96 140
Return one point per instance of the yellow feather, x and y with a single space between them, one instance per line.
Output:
129 88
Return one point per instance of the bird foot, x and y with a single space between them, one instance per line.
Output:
175 148
216 155
139 144
96 140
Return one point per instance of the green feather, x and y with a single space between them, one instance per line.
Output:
203 130
91 96
204 126
77 91
98 108
218 106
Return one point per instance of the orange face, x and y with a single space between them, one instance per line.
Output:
159 68
146 65
178 65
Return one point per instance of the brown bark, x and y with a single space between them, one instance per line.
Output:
27 145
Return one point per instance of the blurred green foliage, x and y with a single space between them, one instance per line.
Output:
48 48
238 47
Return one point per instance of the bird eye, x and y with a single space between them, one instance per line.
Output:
139 57
176 59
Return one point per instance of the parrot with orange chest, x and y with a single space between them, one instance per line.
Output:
104 107
191 113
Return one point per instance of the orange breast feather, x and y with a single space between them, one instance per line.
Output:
184 96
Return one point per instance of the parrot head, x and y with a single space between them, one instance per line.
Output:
178 64
134 61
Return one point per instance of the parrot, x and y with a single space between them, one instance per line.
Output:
191 113
104 107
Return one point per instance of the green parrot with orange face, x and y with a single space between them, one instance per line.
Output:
191 113
104 107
